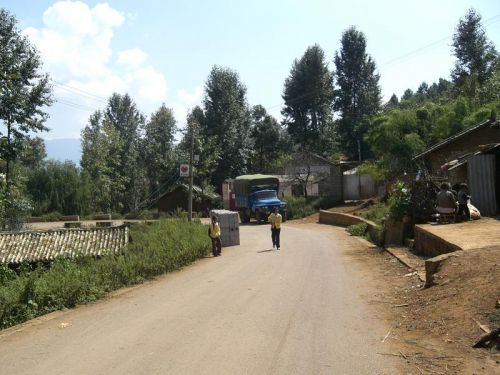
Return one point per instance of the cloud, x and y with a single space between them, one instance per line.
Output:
186 101
132 57
75 43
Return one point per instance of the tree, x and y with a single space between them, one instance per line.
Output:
56 186
308 96
227 118
158 148
358 93
102 149
122 114
266 135
24 92
475 54
205 146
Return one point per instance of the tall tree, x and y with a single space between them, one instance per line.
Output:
24 90
308 95
122 114
101 164
267 140
227 118
358 93
475 54
158 147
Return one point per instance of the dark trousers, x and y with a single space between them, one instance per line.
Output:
216 246
275 236
463 209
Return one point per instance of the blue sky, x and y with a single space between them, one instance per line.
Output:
162 51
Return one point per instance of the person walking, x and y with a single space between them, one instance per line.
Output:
275 219
214 233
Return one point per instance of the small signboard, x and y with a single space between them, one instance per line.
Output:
184 170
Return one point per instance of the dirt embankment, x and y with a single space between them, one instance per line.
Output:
433 329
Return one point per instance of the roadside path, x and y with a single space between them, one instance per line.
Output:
302 310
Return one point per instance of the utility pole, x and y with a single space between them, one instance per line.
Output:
190 194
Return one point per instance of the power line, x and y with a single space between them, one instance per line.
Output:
74 105
79 92
487 22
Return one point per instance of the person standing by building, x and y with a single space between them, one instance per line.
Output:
463 200
275 219
214 233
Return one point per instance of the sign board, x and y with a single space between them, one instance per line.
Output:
184 170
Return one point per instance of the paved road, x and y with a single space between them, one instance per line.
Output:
252 311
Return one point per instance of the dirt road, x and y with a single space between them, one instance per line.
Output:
302 310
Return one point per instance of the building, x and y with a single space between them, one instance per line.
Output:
177 198
315 174
471 156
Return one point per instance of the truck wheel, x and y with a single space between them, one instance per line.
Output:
244 217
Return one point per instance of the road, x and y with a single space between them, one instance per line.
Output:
302 310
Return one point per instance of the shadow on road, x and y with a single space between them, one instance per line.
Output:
264 251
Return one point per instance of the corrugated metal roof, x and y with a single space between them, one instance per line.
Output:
68 243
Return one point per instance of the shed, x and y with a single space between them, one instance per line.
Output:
177 197
471 156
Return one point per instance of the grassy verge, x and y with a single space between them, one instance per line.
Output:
34 290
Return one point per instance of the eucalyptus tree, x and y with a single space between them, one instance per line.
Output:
226 117
358 93
308 95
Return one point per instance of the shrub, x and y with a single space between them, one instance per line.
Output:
399 201
357 229
298 207
376 213
52 216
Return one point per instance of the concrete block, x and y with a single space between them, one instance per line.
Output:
433 265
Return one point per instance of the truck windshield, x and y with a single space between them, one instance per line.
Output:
265 194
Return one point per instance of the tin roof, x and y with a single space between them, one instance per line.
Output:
453 138
34 246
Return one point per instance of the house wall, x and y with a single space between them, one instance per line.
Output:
461 146
332 185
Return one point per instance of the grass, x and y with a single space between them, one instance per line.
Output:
376 213
34 290
299 207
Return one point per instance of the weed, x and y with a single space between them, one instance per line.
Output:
357 229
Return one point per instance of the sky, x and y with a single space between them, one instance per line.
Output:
162 51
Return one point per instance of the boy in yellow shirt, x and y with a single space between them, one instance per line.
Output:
275 219
214 233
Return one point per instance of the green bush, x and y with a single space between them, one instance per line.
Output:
154 249
298 207
357 229
399 201
376 213
52 216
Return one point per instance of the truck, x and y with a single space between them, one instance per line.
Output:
256 196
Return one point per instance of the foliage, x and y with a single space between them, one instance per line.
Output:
158 148
357 229
155 249
56 186
226 118
423 200
24 93
377 213
269 140
308 94
298 207
399 201
372 169
475 54
358 94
